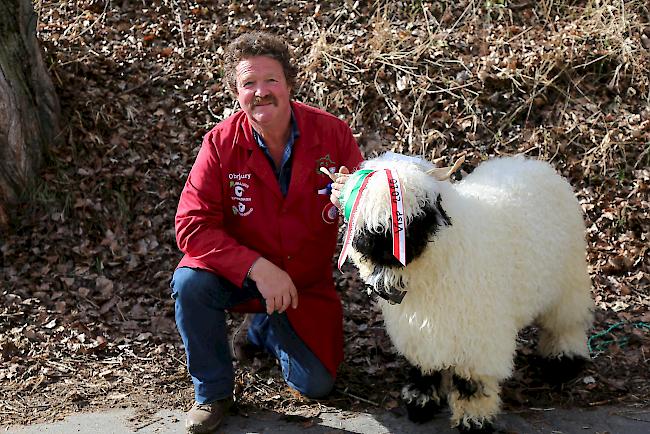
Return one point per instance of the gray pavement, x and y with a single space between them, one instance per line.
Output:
601 420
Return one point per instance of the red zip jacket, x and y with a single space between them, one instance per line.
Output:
231 212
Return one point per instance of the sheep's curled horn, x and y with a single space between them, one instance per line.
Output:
444 173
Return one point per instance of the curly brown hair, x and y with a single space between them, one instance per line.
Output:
257 44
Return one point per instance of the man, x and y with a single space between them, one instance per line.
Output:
258 232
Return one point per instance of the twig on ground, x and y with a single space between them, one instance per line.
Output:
367 401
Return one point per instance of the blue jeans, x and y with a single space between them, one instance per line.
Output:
201 300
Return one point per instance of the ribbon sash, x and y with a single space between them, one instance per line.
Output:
352 197
360 180
351 215
397 214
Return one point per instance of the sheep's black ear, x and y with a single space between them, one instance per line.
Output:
421 230
443 217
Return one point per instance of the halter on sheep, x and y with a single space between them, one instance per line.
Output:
484 258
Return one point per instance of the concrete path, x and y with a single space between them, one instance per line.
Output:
599 420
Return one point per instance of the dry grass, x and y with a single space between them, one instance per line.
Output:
441 56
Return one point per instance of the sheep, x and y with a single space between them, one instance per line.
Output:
484 258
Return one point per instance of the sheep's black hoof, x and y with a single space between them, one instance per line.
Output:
418 414
421 406
474 428
421 397
559 370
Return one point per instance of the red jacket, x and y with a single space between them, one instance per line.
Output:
231 212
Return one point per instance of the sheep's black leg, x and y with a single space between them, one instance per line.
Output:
422 395
559 370
466 388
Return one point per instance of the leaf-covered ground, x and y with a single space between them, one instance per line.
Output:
86 319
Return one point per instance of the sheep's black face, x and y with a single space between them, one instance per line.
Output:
378 247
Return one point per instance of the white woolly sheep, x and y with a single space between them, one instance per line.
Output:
485 257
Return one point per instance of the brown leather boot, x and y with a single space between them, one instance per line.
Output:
205 418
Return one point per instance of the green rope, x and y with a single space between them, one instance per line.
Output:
620 342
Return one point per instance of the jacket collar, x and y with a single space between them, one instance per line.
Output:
244 131
303 160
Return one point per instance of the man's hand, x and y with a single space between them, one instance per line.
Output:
275 285
337 186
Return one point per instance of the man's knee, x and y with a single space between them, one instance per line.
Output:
315 386
189 284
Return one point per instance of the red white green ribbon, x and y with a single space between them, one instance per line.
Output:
350 198
397 213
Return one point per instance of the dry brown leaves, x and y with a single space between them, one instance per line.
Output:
85 314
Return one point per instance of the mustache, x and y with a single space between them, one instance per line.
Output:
265 100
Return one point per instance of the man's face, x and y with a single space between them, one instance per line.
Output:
262 90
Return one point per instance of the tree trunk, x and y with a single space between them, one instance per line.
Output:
29 109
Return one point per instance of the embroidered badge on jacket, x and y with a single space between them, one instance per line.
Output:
326 162
242 205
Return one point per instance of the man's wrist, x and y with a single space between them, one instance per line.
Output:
250 270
